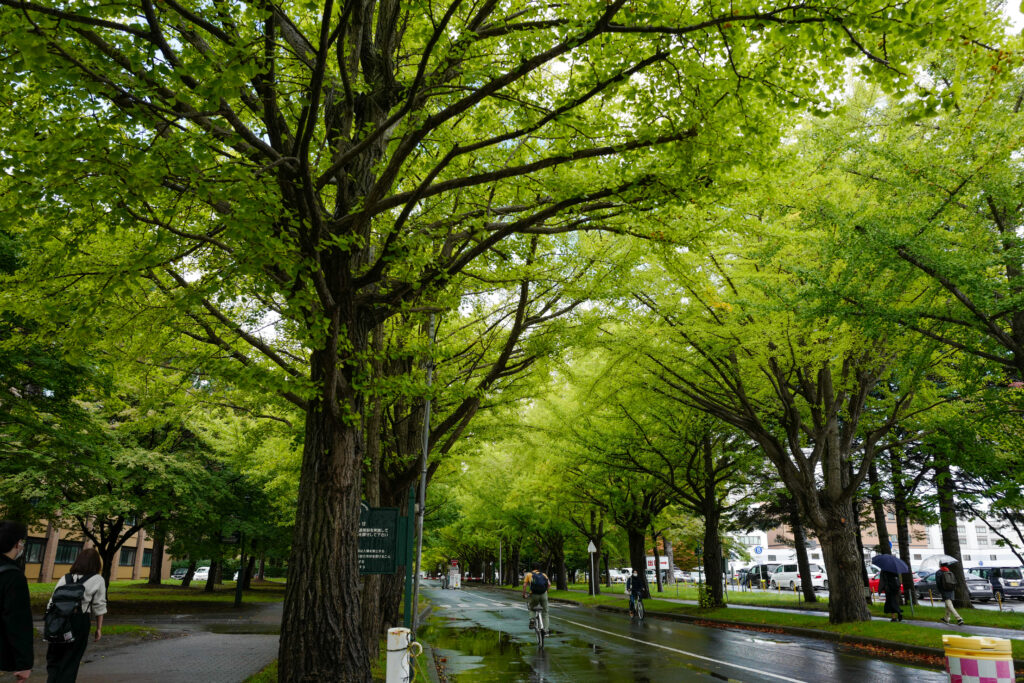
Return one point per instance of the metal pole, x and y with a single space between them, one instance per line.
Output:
422 497
499 561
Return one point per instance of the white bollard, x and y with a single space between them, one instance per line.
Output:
398 669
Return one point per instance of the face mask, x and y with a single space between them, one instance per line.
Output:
20 552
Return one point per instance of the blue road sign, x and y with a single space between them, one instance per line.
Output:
758 550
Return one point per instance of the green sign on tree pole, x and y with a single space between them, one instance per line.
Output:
378 540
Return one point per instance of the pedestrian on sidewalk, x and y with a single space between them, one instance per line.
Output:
16 632
62 661
995 578
945 580
889 583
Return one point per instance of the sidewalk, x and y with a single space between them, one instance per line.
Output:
223 647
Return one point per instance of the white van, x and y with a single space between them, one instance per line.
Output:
787 576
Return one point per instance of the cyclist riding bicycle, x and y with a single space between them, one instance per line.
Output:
635 588
536 584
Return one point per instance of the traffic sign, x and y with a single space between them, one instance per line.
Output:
758 550
591 548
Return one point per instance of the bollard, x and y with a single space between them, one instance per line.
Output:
399 668
974 659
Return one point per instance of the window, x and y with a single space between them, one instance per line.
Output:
815 556
967 558
991 557
891 516
771 558
747 540
981 531
67 552
127 557
917 556
147 557
34 548
961 530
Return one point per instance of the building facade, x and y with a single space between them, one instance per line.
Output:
51 550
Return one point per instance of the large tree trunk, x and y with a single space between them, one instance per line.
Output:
211 578
657 559
189 573
246 576
843 562
561 582
899 503
638 555
670 577
802 562
712 558
878 507
950 536
321 630
156 566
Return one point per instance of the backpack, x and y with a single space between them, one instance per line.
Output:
946 581
65 604
539 583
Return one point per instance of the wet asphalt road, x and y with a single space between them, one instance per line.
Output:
485 636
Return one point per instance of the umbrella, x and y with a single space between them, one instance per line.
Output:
933 561
890 563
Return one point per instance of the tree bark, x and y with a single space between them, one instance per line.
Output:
843 564
246 577
189 573
211 578
156 566
802 562
321 629
878 507
262 574
638 555
899 503
712 557
657 560
950 535
670 577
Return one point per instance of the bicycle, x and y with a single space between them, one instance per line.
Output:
537 624
638 606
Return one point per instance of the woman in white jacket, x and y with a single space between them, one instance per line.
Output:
62 661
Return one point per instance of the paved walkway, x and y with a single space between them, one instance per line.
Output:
225 647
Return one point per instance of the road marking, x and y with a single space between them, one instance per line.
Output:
664 647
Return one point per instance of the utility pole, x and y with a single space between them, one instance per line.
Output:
422 497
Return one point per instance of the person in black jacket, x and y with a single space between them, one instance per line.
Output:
889 583
16 632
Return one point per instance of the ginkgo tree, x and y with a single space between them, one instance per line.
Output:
218 170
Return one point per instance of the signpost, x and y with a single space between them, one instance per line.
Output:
378 540
591 548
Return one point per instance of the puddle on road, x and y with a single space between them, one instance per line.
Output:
478 655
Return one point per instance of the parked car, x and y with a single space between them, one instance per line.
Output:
788 576
617 575
874 579
1012 579
202 574
179 573
758 573
979 588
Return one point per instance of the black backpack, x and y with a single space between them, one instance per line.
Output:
946 581
65 604
539 583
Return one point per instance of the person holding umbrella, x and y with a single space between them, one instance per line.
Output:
889 582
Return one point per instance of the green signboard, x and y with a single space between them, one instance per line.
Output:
378 540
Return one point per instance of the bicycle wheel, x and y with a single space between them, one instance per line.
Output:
540 631
639 608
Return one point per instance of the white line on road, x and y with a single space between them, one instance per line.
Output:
665 647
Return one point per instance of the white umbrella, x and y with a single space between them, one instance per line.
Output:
933 561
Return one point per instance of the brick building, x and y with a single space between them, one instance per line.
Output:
51 550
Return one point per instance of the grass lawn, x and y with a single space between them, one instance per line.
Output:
896 633
924 611
170 597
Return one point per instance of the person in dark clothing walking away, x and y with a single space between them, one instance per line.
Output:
945 580
16 632
995 578
62 661
889 583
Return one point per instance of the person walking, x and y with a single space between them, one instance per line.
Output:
995 578
62 661
16 632
945 581
889 583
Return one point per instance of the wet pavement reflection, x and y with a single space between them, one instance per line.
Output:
484 635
